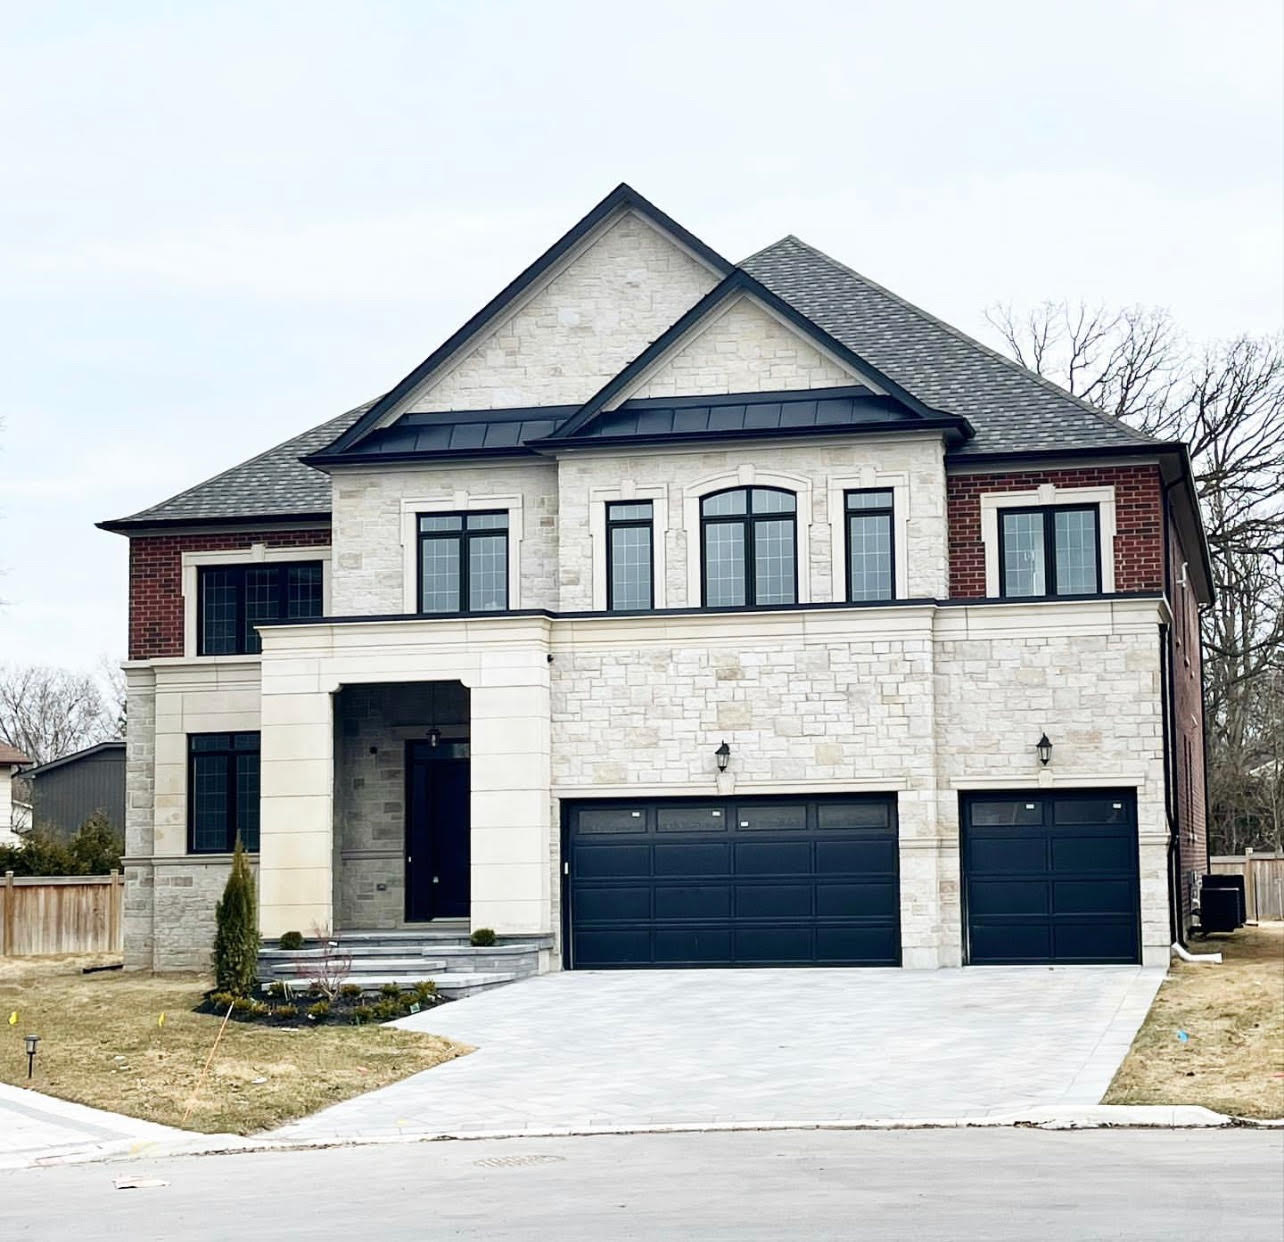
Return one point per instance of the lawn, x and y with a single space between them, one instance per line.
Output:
1233 1015
102 1043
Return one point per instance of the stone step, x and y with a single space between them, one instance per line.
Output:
422 967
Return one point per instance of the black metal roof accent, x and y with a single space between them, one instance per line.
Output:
622 196
738 281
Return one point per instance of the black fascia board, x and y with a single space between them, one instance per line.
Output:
325 463
125 526
623 196
737 281
954 424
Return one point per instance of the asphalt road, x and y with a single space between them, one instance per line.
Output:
927 1184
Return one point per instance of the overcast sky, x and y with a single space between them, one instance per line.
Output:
223 223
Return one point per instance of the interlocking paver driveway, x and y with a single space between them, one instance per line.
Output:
645 1048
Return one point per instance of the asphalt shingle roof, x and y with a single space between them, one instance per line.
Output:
1010 408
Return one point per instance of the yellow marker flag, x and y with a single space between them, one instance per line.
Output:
13 1018
161 1020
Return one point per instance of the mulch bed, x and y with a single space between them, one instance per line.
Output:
302 1005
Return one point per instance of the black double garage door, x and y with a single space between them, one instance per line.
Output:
1047 878
737 882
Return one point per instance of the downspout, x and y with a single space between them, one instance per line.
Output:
1175 926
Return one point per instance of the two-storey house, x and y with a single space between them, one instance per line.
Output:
688 613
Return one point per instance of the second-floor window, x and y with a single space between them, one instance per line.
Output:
463 562
870 550
630 555
236 598
1055 550
749 537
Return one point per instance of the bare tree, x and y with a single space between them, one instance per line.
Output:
49 712
1226 401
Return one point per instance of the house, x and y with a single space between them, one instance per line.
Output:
12 761
678 613
65 792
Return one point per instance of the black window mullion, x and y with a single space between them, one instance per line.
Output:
1050 552
751 568
465 551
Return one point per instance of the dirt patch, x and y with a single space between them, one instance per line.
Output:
104 1043
1232 1059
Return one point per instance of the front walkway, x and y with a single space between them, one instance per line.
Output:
640 1049
36 1128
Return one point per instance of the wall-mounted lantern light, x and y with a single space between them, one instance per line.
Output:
434 736
1044 747
723 756
32 1041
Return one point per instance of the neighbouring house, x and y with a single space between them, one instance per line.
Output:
64 792
12 761
681 613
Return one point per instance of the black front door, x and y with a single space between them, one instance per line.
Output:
437 828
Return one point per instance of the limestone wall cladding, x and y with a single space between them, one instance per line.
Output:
745 349
818 472
140 753
598 313
374 533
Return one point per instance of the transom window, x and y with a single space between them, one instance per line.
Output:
463 562
1052 550
630 557
870 550
222 792
749 537
233 599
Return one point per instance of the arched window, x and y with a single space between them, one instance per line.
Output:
748 539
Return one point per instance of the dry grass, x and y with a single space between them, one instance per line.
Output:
1233 1060
102 1044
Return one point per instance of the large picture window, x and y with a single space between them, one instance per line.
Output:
870 548
222 792
749 536
463 562
1049 551
630 555
233 599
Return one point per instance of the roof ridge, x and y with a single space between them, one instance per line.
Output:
788 237
249 461
958 333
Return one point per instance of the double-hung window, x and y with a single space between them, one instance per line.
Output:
749 538
233 599
463 562
870 549
222 792
630 555
1053 550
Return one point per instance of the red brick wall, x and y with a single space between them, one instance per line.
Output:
1139 539
156 581
1188 717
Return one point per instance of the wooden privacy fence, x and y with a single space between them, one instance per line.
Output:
61 914
1263 881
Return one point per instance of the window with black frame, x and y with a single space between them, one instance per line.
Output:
233 599
749 539
871 551
630 555
463 562
1049 551
222 792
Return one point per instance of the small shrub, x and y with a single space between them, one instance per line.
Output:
291 940
96 849
221 1000
350 991
243 1004
390 989
362 1013
286 1011
275 990
482 938
260 1009
320 1011
386 1010
236 942
425 990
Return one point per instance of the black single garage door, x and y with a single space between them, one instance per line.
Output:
1051 877
739 882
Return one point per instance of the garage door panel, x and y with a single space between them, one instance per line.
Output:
688 901
1051 877
742 882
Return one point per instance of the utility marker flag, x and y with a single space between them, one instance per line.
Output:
13 1018
161 1020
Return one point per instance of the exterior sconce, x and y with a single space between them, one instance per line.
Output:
1044 747
723 756
32 1041
434 736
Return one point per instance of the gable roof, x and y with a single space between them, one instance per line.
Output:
1010 408
623 196
11 754
115 746
737 281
